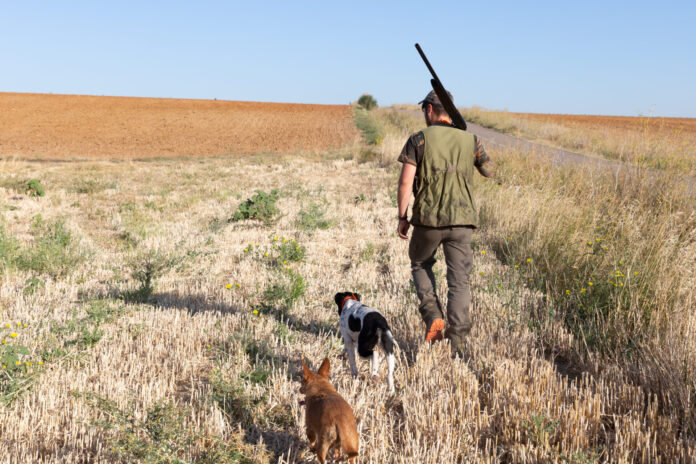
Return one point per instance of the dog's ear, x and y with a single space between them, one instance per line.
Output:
357 296
305 371
324 369
338 298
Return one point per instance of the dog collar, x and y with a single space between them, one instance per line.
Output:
349 297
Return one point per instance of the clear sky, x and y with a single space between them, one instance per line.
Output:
591 57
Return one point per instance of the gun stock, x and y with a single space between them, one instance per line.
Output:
441 93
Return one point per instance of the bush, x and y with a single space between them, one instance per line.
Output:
146 269
370 127
260 206
288 287
35 189
367 101
55 251
313 218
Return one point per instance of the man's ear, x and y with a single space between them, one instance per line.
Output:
324 369
305 370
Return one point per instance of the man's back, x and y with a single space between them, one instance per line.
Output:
445 174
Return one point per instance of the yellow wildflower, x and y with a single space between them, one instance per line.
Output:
4 342
7 325
246 249
237 285
590 284
589 243
40 363
516 266
256 312
228 285
529 260
18 363
13 334
265 254
285 262
483 252
481 272
621 284
635 273
27 363
583 290
567 292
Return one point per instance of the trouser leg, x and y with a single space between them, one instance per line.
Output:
421 251
459 258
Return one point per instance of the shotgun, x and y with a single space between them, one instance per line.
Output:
446 101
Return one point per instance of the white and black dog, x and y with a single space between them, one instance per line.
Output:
364 328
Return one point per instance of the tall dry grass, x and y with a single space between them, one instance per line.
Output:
652 142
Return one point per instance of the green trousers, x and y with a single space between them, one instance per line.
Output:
456 244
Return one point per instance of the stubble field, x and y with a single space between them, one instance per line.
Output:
160 325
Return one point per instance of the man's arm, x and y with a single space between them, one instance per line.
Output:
483 163
408 173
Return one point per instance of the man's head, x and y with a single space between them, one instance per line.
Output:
432 108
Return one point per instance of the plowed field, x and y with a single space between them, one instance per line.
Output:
38 126
614 122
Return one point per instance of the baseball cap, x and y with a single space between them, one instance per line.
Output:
432 98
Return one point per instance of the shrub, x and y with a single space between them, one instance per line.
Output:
370 127
312 218
260 206
146 268
288 287
34 188
367 101
55 251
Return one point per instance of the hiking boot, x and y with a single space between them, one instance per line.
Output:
433 332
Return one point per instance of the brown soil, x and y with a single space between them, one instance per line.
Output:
615 122
39 126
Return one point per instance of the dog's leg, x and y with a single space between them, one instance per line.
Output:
322 448
350 349
312 439
390 375
375 363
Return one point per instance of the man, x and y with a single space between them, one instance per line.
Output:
438 164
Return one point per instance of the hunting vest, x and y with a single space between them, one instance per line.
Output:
445 174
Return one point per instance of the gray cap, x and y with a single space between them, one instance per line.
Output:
433 100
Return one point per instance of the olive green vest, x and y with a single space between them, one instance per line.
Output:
445 174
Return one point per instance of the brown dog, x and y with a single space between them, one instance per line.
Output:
329 420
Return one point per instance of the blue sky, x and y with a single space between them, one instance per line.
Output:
589 57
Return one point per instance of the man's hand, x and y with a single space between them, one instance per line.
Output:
402 229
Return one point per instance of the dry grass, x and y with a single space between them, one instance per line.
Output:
221 334
36 126
198 341
659 143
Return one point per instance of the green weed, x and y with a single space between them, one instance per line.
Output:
369 126
55 251
261 206
34 188
313 217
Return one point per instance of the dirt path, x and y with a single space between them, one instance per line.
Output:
557 155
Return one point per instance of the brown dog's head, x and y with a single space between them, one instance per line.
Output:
342 297
314 383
